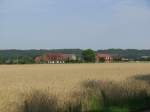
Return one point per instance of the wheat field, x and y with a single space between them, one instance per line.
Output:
60 80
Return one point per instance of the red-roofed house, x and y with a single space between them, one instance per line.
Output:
54 58
106 57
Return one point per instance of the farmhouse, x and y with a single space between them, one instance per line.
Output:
52 58
70 57
103 58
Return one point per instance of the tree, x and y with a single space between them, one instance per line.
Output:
2 61
88 55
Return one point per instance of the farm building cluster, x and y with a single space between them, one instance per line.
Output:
60 58
52 58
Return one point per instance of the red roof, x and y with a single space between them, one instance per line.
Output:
103 55
54 56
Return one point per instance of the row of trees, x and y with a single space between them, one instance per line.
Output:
129 55
88 55
27 56
17 60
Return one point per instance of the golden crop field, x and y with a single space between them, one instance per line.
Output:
60 80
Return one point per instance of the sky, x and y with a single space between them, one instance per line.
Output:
58 24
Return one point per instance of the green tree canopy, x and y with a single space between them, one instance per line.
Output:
88 55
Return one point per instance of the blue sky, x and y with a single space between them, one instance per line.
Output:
96 24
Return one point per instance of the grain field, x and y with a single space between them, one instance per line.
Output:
60 80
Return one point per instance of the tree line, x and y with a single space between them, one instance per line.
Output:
88 55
